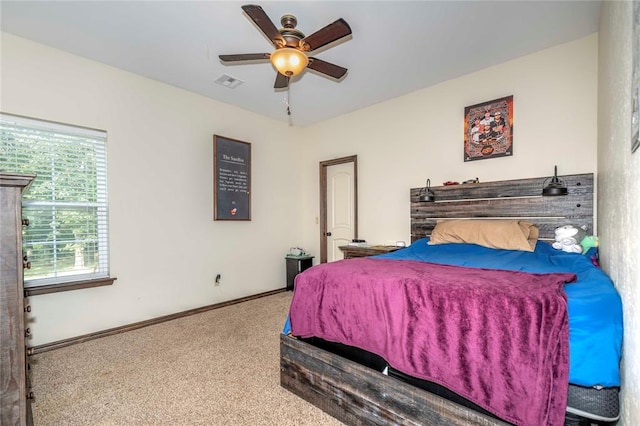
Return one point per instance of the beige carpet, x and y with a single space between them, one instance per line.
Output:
215 368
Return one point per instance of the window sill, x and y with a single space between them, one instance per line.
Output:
75 285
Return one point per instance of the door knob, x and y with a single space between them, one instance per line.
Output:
328 234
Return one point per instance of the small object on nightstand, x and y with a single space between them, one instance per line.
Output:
357 242
296 251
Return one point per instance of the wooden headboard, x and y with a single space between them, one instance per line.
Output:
507 199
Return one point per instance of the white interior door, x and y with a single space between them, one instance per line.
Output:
340 208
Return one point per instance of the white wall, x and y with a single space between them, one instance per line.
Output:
402 142
165 247
619 194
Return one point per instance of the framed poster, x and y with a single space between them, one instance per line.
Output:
231 179
635 78
488 129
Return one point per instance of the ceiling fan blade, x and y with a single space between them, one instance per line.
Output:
258 15
282 81
244 57
326 35
327 68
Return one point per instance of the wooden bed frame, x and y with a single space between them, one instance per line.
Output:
357 395
509 199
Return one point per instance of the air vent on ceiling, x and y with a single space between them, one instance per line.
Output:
228 81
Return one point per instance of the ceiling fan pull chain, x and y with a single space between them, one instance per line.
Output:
288 103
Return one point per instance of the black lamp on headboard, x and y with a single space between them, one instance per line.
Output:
556 186
428 196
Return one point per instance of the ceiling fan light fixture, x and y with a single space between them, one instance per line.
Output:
289 61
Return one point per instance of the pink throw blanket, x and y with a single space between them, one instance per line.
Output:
497 338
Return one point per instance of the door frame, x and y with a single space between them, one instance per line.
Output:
323 200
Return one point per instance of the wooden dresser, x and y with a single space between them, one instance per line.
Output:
355 251
14 389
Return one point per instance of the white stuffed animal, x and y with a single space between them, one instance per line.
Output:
568 238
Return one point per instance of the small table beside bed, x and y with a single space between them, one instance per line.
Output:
476 322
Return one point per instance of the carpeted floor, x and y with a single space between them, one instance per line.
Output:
220 367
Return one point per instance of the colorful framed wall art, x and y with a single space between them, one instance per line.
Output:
488 129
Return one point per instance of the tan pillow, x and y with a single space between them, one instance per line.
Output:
500 234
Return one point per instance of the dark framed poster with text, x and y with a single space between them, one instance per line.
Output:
231 179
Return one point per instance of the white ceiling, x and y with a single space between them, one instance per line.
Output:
396 47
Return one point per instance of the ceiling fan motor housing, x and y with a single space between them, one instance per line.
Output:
289 21
291 35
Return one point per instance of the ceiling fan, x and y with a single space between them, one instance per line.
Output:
290 57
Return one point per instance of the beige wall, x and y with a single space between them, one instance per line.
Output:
165 247
619 194
402 142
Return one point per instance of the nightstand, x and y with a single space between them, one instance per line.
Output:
354 251
295 265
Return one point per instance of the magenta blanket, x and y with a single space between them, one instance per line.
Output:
497 338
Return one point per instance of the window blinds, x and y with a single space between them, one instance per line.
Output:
67 239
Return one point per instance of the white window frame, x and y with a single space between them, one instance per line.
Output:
49 134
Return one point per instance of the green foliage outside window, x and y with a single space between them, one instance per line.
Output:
66 203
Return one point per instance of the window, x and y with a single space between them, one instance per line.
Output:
67 237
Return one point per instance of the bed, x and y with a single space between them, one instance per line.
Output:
359 352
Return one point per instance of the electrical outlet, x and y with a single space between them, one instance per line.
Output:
217 283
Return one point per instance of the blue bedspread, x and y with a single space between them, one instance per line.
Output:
594 305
